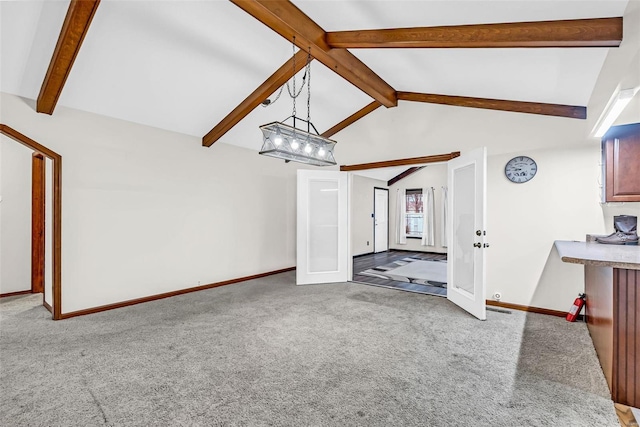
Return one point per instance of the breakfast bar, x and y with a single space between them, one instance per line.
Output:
612 286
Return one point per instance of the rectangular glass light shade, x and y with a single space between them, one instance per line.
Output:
286 142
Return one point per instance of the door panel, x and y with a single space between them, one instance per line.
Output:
322 227
467 232
381 220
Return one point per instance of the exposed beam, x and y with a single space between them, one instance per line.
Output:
401 162
277 79
352 119
404 174
74 29
286 19
599 32
558 110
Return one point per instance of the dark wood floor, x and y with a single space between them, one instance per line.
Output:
365 262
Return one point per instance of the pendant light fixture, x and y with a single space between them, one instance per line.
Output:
293 143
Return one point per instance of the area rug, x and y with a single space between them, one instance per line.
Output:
423 276
423 272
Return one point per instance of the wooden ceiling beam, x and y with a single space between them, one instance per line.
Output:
401 162
404 174
599 32
286 19
74 29
264 91
352 119
557 110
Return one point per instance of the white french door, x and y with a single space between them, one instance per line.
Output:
323 227
466 232
381 220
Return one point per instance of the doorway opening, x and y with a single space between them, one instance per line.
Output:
44 253
410 263
326 238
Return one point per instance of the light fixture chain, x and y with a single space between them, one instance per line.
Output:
308 73
293 94
293 50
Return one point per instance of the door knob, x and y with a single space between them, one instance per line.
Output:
477 245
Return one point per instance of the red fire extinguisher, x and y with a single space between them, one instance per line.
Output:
573 313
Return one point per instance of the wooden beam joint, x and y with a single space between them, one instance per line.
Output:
286 19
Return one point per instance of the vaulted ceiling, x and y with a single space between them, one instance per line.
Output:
185 66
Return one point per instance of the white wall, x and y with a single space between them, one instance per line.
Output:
435 176
561 202
146 211
361 211
15 216
149 211
621 70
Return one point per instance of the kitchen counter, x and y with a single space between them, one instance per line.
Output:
588 253
612 280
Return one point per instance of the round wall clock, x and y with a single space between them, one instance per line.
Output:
520 169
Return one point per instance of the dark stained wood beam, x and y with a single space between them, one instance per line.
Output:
404 174
277 79
599 32
401 162
74 29
286 19
352 119
558 110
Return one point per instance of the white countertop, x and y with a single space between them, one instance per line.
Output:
592 253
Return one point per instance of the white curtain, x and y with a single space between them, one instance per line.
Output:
445 211
401 217
428 218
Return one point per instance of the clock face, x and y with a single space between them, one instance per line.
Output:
520 169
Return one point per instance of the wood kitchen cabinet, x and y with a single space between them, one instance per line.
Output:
612 285
621 162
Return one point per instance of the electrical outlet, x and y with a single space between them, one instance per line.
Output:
367 243
198 282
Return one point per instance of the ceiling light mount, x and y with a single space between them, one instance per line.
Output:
291 143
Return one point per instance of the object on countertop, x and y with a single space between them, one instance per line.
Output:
626 227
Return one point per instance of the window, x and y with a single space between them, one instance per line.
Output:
414 212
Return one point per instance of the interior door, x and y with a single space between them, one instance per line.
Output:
323 227
467 179
380 220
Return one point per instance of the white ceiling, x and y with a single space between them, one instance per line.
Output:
184 65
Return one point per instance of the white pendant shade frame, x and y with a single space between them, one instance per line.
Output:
291 143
